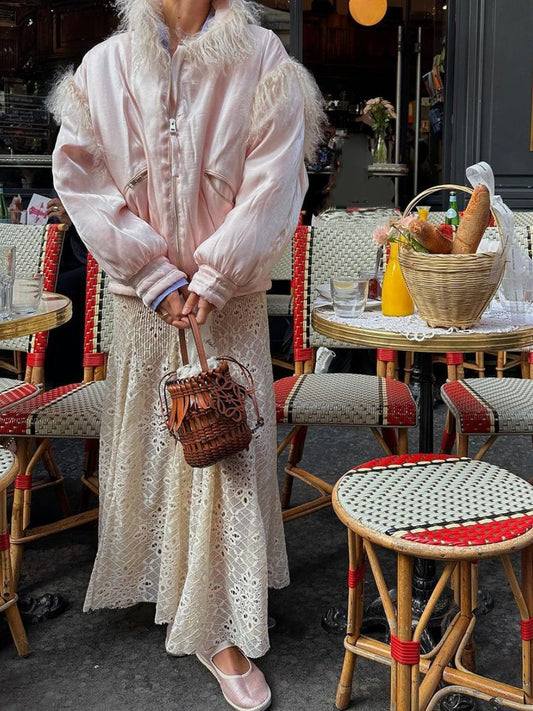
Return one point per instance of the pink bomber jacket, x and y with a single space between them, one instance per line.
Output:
189 165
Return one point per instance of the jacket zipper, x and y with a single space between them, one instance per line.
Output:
137 178
172 127
173 131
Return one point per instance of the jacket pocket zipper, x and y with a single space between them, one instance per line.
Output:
218 176
137 178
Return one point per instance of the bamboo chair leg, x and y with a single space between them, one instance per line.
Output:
449 434
403 440
408 367
462 445
501 360
468 581
20 508
8 598
16 627
524 365
404 681
480 364
355 617
455 371
295 456
527 645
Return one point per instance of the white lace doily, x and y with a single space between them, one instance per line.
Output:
494 320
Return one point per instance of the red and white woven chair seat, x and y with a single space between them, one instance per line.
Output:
16 391
67 411
437 500
491 405
344 399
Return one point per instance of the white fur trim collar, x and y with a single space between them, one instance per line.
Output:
223 41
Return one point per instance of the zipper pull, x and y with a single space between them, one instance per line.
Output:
172 125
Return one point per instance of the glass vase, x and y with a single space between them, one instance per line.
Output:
380 149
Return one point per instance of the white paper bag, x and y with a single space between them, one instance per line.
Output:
36 211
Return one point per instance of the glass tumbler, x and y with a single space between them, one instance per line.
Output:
7 276
349 296
27 292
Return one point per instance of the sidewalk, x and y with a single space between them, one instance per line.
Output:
114 660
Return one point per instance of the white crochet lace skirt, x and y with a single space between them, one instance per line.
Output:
202 544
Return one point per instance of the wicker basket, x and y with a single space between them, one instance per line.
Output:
451 290
207 411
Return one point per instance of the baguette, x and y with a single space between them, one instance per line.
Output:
430 237
474 222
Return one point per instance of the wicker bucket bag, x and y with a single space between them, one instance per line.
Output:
451 290
206 411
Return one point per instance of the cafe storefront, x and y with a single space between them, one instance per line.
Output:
461 91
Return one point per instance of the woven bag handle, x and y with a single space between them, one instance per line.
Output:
197 342
449 186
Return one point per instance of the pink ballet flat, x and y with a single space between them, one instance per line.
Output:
244 692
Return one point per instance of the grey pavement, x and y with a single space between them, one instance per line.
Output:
115 659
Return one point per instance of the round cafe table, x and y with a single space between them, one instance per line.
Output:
496 332
54 310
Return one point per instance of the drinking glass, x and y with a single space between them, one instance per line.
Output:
7 275
423 211
349 296
27 292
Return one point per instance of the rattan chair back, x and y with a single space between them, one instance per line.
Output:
98 322
336 246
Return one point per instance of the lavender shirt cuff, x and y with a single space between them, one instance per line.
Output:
174 287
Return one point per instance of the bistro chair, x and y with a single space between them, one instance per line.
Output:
69 411
306 399
492 407
38 250
454 510
8 596
489 407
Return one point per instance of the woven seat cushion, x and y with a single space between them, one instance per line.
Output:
491 405
437 500
68 411
344 399
13 391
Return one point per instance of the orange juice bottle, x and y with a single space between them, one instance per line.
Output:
395 297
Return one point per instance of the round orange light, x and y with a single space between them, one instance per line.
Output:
368 12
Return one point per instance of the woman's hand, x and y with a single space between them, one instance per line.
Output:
196 304
54 208
175 307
